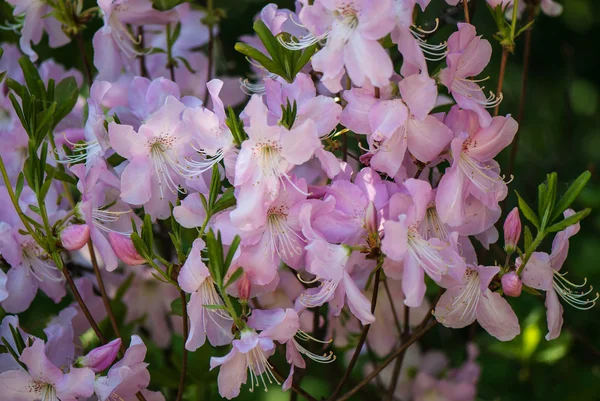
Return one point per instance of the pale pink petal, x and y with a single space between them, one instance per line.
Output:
194 271
413 282
359 305
554 315
496 316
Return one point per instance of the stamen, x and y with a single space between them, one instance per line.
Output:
568 292
325 358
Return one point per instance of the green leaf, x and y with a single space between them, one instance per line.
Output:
532 291
571 194
304 58
215 307
215 186
226 201
115 159
177 307
139 245
542 189
549 199
165 5
148 233
65 96
269 41
19 186
187 64
528 238
569 221
263 60
235 126
32 78
236 275
527 212
231 252
215 261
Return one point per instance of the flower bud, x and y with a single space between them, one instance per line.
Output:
244 287
371 218
75 236
124 249
512 231
102 357
512 284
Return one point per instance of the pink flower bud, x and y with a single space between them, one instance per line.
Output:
124 249
371 218
512 284
75 236
244 287
102 357
512 230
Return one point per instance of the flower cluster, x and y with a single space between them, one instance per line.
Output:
344 175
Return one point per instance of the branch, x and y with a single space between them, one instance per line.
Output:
389 360
86 63
503 62
294 387
398 365
185 353
363 338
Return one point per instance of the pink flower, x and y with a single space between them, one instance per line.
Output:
265 161
194 278
470 299
511 284
402 242
45 381
542 271
352 30
512 230
468 55
38 17
123 247
75 236
102 357
114 45
126 377
473 170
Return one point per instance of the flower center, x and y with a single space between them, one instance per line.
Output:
283 240
35 259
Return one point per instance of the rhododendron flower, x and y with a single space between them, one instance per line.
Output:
473 170
38 18
542 271
114 45
468 55
403 243
127 376
265 161
351 29
45 381
470 299
194 278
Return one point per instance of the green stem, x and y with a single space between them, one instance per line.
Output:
513 23
528 252
15 202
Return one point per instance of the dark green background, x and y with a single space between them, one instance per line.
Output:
560 132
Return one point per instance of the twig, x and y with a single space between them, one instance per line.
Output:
104 295
86 63
170 61
294 387
185 353
503 62
388 360
466 7
143 69
398 365
515 145
361 341
389 295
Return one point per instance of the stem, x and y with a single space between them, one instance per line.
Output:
143 69
295 388
82 305
466 7
363 336
86 62
105 299
503 62
389 295
388 360
528 252
170 62
61 167
515 145
398 365
15 203
211 44
185 353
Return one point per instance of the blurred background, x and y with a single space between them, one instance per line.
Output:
560 131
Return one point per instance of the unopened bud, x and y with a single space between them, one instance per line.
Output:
244 287
512 231
124 249
75 236
102 357
512 284
371 218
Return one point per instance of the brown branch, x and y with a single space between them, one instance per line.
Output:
294 387
363 338
143 69
86 63
104 295
398 365
466 7
527 52
185 352
388 360
503 62
389 295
